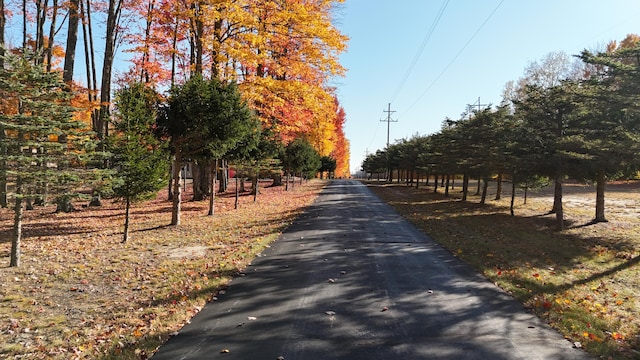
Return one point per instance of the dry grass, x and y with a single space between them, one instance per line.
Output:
584 281
81 294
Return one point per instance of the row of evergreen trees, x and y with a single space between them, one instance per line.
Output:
48 152
585 127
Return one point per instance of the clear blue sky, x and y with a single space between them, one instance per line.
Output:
385 36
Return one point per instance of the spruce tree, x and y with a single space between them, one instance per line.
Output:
45 149
139 157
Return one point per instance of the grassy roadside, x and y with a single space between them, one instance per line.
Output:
81 294
583 281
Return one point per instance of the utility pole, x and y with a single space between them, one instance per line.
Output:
389 120
470 106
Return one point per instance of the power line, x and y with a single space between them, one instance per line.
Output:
425 40
456 57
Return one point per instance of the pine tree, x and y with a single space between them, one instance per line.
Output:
46 150
139 156
204 119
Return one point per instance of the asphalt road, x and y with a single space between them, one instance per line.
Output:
350 279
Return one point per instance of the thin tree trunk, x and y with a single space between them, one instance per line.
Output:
446 188
127 208
144 74
435 183
17 226
52 34
3 166
557 200
499 187
600 189
177 190
174 47
465 186
72 40
485 186
513 196
25 22
107 67
255 187
3 22
170 183
235 206
478 186
212 187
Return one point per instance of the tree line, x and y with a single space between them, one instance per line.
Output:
565 119
235 83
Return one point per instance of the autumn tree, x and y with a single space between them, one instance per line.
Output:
43 141
141 160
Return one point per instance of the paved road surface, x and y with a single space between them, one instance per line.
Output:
352 280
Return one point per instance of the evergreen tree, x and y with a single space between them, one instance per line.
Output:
141 160
300 157
204 119
45 149
328 165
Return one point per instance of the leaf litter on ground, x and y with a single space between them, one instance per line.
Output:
81 294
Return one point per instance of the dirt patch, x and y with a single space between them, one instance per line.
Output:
189 252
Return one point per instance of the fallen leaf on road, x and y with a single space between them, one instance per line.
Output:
384 309
251 318
224 351
330 313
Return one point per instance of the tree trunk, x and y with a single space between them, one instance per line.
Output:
465 186
478 189
198 181
499 187
17 226
3 22
107 67
242 184
446 188
235 205
600 188
485 186
255 189
170 183
224 176
277 180
3 163
513 196
177 189
52 34
127 208
557 204
435 183
212 188
144 74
